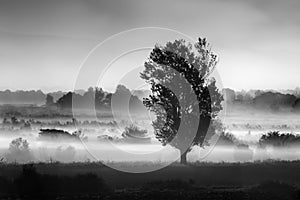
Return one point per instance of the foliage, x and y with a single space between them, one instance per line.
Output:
134 131
277 139
56 133
216 127
49 100
227 139
19 151
97 98
169 67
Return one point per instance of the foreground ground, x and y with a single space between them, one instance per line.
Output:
267 180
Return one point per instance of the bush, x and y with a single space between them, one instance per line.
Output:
277 139
19 151
61 134
227 139
134 131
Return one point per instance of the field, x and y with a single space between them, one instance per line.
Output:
266 180
63 168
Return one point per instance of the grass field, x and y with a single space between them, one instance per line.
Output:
265 180
202 174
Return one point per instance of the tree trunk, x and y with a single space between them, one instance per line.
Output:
183 157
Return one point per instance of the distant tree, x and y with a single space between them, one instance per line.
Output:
107 100
216 127
49 100
229 95
247 97
133 130
258 93
193 65
227 139
65 102
26 125
19 151
99 98
123 96
133 133
277 139
239 97
5 121
61 134
88 99
14 120
274 101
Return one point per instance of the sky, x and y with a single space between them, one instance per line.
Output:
44 43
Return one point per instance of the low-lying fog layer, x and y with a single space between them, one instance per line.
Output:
105 142
70 151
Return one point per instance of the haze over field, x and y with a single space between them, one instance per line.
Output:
248 116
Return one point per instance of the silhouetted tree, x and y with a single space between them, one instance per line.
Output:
5 121
14 120
169 67
277 139
229 95
133 133
65 101
99 97
123 101
19 151
49 100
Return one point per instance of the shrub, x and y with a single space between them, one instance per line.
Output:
277 139
19 151
227 139
134 131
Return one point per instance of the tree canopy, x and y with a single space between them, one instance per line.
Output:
179 76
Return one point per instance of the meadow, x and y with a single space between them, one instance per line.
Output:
238 167
260 180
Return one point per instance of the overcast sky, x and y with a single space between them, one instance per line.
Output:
42 43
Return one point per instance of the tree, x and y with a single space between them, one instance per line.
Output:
5 121
169 67
49 100
123 96
14 120
65 102
19 151
229 95
277 139
99 97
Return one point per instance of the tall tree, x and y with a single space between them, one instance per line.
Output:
49 100
19 151
167 69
